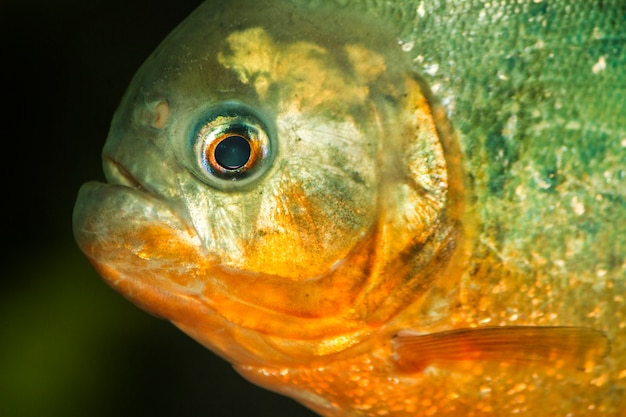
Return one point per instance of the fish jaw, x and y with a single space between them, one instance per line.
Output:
154 263
101 220
144 251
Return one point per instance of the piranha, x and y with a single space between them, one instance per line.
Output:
285 187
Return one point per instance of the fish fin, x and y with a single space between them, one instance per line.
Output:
558 346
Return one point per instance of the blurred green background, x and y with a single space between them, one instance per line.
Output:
69 345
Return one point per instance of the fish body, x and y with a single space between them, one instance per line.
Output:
285 188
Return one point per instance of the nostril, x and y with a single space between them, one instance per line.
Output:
162 112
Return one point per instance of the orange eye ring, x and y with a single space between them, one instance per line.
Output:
233 147
232 153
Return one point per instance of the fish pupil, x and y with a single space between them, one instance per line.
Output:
233 152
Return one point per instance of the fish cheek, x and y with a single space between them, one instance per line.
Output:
313 212
320 200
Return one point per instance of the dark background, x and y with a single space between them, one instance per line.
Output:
69 345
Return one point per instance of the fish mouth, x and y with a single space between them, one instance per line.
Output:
107 214
127 180
117 174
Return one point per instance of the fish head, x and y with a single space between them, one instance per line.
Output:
276 189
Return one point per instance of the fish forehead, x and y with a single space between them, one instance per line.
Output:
188 56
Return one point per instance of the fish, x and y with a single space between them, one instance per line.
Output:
380 209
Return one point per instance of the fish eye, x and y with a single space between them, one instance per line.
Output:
232 146
232 152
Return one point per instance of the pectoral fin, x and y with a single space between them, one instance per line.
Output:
575 347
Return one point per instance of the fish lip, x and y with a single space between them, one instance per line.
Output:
117 174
